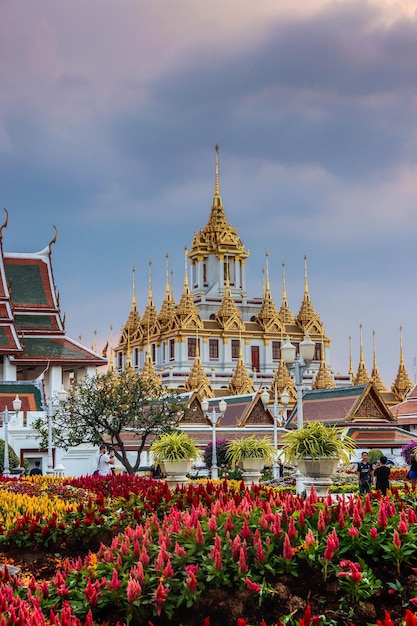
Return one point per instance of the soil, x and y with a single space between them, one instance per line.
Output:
223 608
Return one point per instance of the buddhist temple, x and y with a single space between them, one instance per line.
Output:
216 336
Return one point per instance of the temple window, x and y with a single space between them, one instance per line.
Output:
213 349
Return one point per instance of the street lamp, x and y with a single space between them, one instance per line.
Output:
59 397
278 410
17 404
214 418
298 363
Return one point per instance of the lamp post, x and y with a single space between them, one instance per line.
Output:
276 413
214 417
17 404
59 397
298 363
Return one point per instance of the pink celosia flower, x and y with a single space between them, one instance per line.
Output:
133 590
309 538
396 539
321 524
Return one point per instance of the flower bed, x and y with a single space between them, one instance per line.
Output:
216 552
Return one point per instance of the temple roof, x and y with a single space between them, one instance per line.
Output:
34 334
344 405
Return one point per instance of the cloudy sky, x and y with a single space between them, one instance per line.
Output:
109 114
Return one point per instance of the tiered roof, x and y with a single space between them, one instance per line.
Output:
32 329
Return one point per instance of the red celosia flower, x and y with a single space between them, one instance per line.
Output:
288 550
252 586
133 590
160 597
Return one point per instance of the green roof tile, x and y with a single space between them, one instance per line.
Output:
54 348
34 321
27 285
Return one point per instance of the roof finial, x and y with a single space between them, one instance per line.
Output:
351 373
362 376
217 201
53 240
133 288
185 268
306 294
4 223
267 286
401 346
375 375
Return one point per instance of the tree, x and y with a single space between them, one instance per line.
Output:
374 455
108 408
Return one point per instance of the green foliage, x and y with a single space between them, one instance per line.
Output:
249 448
316 440
175 446
103 408
374 456
221 450
13 458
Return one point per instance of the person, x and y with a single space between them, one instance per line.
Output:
381 473
365 471
105 462
412 474
280 468
36 471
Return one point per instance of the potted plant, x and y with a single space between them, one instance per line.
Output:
251 454
175 452
317 450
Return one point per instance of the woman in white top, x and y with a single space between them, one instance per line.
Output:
105 462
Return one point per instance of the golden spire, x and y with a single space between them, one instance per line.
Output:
324 378
282 380
167 312
128 363
362 376
111 355
402 384
268 315
218 236
150 315
351 374
307 315
241 382
228 316
149 373
198 380
375 375
132 327
285 312
217 200
186 304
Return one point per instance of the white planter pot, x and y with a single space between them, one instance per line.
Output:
251 470
176 472
318 472
318 468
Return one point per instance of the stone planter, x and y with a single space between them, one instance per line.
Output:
251 470
318 472
176 472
